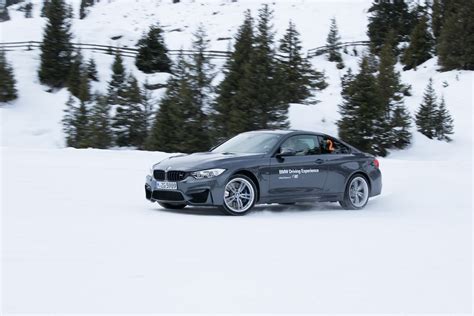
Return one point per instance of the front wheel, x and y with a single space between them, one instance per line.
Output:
239 195
356 195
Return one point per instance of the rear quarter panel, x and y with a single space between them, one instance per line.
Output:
342 167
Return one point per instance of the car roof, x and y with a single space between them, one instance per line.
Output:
285 131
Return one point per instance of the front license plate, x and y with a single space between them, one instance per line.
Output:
167 185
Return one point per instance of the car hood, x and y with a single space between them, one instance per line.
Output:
201 161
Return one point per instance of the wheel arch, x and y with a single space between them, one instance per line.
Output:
252 177
363 174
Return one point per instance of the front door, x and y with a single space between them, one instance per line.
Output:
301 175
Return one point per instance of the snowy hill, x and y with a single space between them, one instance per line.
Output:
78 235
27 123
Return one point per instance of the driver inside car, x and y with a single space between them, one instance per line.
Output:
300 147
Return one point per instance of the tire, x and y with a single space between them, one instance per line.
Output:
240 195
356 194
171 206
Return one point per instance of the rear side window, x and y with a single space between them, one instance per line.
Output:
331 146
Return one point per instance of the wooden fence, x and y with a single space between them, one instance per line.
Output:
313 52
106 49
132 51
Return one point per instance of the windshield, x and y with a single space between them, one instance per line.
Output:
249 143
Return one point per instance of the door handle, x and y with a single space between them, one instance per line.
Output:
319 161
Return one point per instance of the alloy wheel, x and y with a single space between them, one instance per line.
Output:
358 191
239 195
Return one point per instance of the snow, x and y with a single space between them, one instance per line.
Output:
79 236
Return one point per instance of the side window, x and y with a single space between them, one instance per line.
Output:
331 146
303 145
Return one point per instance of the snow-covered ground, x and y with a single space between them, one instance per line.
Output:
78 235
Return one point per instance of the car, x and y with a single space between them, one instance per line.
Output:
265 167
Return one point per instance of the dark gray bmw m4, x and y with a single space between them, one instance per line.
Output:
267 166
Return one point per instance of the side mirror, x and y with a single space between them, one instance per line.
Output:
284 152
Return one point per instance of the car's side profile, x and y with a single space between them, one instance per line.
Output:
267 167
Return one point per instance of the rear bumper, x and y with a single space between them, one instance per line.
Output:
375 182
190 191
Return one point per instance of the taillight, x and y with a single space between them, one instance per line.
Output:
376 163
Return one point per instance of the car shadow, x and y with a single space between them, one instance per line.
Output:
193 210
274 208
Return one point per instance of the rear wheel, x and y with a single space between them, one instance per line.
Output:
239 195
172 206
356 195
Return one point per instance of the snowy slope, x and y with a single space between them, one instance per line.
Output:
130 19
78 236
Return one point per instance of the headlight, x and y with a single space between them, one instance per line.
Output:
206 174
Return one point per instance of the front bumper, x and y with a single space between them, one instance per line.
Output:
190 191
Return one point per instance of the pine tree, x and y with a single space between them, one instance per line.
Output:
129 122
84 88
152 52
45 8
229 103
360 110
346 83
400 123
28 10
8 90
456 42
75 80
395 127
372 62
68 122
137 114
200 68
81 122
91 69
4 15
69 11
389 15
100 123
56 49
333 42
421 45
117 85
167 132
76 124
298 76
83 11
164 134
439 10
261 84
444 122
200 73
425 118
147 103
436 17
